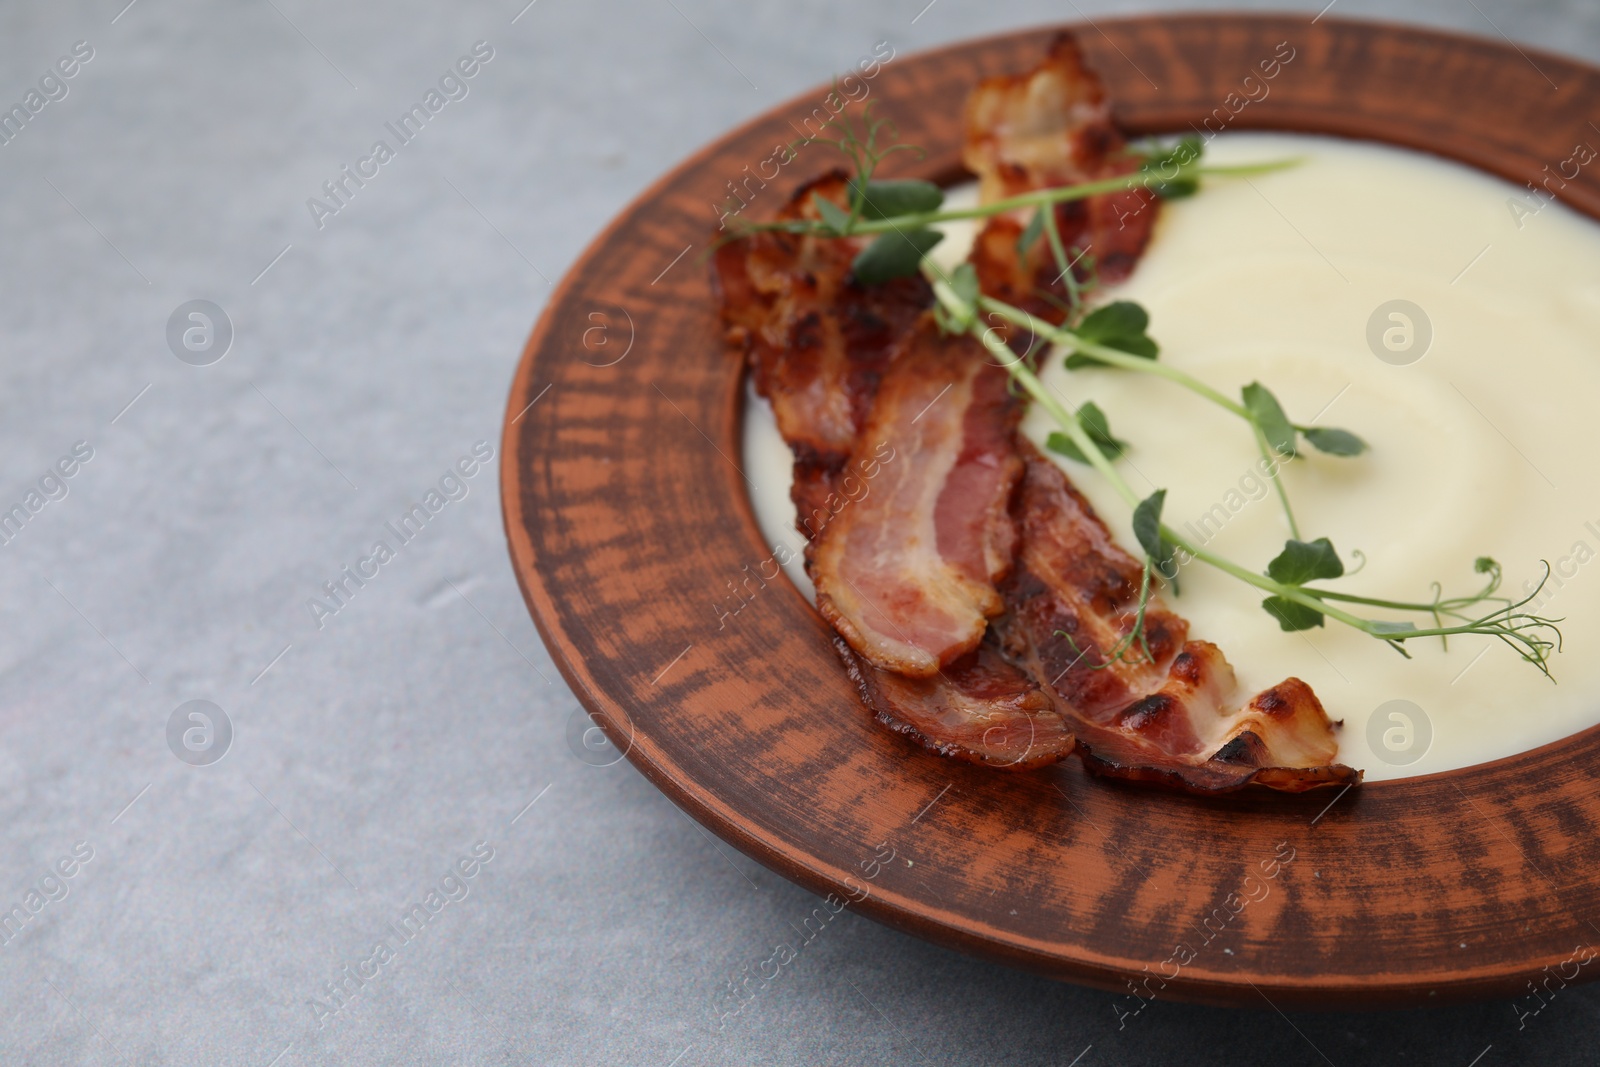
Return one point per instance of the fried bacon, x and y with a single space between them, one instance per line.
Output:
983 609
907 573
1160 711
1048 128
1281 740
1053 673
982 708
815 340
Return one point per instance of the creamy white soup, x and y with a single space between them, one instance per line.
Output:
1450 319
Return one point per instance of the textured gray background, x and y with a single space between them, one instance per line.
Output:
425 716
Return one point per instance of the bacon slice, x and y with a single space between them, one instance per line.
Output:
1281 740
815 340
1048 128
907 573
1166 718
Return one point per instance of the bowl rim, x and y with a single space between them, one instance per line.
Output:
1328 39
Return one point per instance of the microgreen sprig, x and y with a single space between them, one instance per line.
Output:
902 212
1117 335
1295 604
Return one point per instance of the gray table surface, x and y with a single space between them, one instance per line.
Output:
373 753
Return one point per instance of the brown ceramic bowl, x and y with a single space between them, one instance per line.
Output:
628 518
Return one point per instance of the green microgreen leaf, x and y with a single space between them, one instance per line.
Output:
893 255
1335 442
891 199
833 216
1176 189
1172 168
1098 427
1147 530
1291 614
1122 325
1031 235
1120 318
1268 415
964 282
1147 522
1305 561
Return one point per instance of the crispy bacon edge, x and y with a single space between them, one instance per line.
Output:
1166 719
1047 128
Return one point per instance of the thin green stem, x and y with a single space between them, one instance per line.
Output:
1019 370
1247 169
1275 477
1315 599
1446 607
1523 632
1052 233
1126 361
1116 357
1074 430
1144 607
1298 594
1055 195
